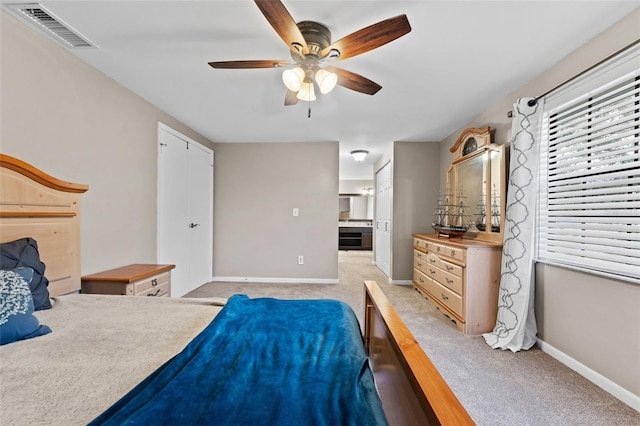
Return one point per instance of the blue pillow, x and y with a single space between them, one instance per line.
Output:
24 253
17 321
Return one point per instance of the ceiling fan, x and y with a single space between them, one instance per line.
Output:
311 49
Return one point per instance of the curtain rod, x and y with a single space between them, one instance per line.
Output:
534 101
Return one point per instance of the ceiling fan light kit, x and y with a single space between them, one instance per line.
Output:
306 92
326 80
311 46
293 78
359 154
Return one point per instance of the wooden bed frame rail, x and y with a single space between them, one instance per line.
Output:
411 388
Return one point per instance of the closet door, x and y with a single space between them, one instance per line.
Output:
383 219
185 210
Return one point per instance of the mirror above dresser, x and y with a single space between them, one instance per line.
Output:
473 203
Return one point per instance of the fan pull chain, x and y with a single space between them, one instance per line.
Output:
309 110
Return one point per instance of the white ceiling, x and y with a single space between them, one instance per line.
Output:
459 59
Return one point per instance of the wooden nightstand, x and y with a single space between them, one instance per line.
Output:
132 280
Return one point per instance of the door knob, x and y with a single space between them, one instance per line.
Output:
193 225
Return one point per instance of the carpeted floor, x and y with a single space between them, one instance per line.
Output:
496 387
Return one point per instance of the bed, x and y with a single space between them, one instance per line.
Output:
104 349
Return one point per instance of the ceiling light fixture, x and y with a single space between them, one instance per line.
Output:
359 154
293 78
306 92
326 80
300 80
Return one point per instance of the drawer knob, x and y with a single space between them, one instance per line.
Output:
449 268
432 260
432 272
453 253
449 281
445 297
154 282
154 294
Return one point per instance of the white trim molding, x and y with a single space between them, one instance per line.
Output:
598 379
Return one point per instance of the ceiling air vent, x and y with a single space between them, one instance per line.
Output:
49 24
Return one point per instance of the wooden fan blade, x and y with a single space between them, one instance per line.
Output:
281 21
267 63
291 98
354 81
370 37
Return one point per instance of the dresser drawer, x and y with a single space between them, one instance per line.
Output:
448 251
419 243
445 296
433 272
421 265
433 260
451 268
420 279
417 254
150 283
451 281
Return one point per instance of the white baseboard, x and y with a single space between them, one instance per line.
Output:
613 388
276 280
401 282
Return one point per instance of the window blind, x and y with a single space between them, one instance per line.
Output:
589 210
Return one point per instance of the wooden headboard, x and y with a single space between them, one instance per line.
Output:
34 204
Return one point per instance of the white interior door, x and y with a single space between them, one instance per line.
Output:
383 219
185 210
200 214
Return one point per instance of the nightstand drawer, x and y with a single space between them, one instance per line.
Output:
150 283
158 291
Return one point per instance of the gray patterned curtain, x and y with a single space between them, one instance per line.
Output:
516 323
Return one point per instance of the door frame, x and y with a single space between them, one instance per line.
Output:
165 128
389 219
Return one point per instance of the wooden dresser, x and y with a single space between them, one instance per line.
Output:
461 277
131 280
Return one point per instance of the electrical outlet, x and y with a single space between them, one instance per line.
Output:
296 212
300 260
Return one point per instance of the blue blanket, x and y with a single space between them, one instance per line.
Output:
262 362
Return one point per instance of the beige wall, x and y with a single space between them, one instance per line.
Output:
414 196
64 117
354 186
591 319
255 232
